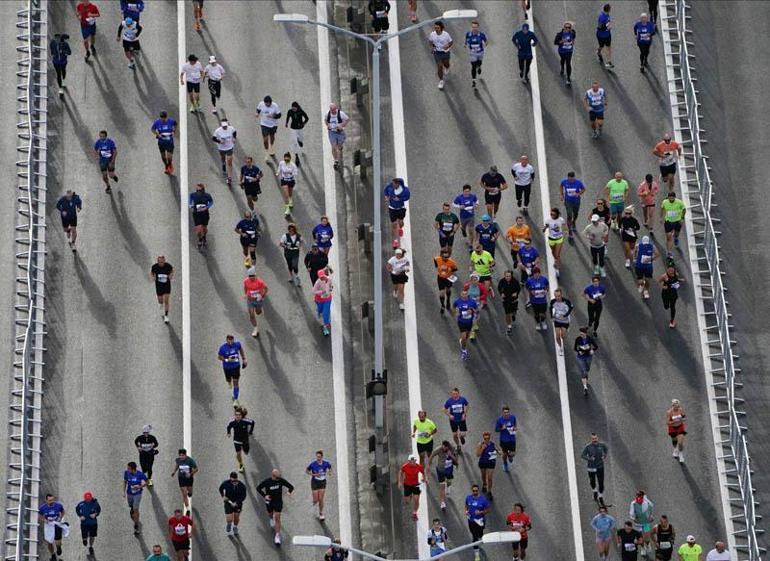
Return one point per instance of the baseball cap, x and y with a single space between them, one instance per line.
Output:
129 21
252 272
147 428
594 218
399 251
88 495
486 218
691 539
493 169
475 276
321 274
645 239
212 59
412 457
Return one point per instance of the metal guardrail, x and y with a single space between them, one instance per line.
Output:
21 528
723 359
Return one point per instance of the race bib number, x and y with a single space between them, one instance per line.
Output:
201 207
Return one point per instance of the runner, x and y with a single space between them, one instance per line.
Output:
516 234
336 121
478 293
476 43
291 242
296 119
224 137
157 554
466 310
197 14
644 255
690 551
523 175
164 130
571 191
440 43
88 510
315 261
467 203
628 541
595 102
129 31
507 427
147 446
487 452
51 515
318 471
668 152
616 192
604 36
446 460
446 224
524 40
191 73
134 482
629 233
249 230
663 537
398 266
476 509
585 346
640 513
214 73
105 149
669 283
180 529
565 40
525 8
250 178
676 429
437 538
132 8
647 191
287 172
423 430
255 291
322 294
605 526
644 29
493 184
445 270
672 212
396 195
519 521
594 294
233 494
537 288
409 480
487 233
335 552
269 115
379 10
482 263
602 210
509 289
719 553
594 453
271 489
69 205
200 202
60 50
87 12
185 469
232 357
561 310
456 408
555 228
323 235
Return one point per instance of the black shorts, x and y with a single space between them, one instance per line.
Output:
410 490
672 226
230 509
604 41
201 218
596 115
456 426
426 448
487 464
106 165
267 131
162 288
193 87
274 505
522 545
166 147
465 327
485 278
67 221
252 189
181 545
316 484
288 183
399 279
396 214
446 241
242 446
508 447
131 46
223 153
248 242
561 325
668 170
444 284
628 239
440 56
380 24
442 474
88 530
539 308
492 199
643 272
510 306
186 481
232 373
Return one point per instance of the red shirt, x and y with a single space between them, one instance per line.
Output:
87 10
412 473
179 528
254 288
519 523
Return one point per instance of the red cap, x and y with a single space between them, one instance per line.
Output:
88 495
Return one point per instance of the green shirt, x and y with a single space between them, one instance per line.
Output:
424 430
481 262
161 557
446 221
673 211
617 190
690 553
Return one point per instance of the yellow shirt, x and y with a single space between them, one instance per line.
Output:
690 553
424 430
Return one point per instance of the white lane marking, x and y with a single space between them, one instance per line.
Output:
185 240
566 417
338 358
410 313
684 177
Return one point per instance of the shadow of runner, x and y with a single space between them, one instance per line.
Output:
202 394
102 309
134 244
111 100
202 543
292 401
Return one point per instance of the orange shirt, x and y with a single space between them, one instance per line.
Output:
254 288
445 267
668 153
517 235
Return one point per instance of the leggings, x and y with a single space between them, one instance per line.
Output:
644 53
292 261
475 67
594 313
597 256
595 477
566 63
146 461
476 531
61 73
669 296
524 66
523 190
324 310
215 89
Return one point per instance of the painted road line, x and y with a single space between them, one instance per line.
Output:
566 416
338 358
410 312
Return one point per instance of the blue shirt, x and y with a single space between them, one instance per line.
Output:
567 44
86 509
319 471
60 50
466 204
231 354
602 26
69 207
524 41
476 506
644 253
528 255
249 228
52 512
572 190
486 235
595 292
323 235
456 407
200 201
134 479
132 8
644 32
396 200
164 130
596 99
475 42
506 428
488 453
250 174
538 289
466 310
106 148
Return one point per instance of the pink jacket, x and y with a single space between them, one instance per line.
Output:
322 289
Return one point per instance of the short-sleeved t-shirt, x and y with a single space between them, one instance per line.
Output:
670 152
185 466
134 481
165 130
647 192
87 13
572 190
493 182
440 42
446 221
445 268
517 235
425 428
518 523
231 355
192 72
51 512
555 228
179 528
673 211
628 547
162 273
254 288
268 116
690 553
226 138
106 148
412 473
319 471
482 262
456 407
617 190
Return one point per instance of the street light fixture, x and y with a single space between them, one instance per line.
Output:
291 18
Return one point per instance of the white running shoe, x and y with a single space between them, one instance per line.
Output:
441 84
675 454
272 522
640 289
628 263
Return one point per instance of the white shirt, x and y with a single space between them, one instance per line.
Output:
522 174
398 265
555 228
192 72
129 32
440 42
287 172
714 555
226 138
336 119
214 72
268 115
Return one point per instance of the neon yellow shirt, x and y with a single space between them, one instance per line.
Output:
673 211
424 430
481 263
690 553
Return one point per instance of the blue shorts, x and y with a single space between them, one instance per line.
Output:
617 208
337 138
465 326
643 272
256 304
88 31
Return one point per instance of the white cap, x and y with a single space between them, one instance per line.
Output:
412 457
147 428
645 239
691 538
399 251
252 272
594 218
212 59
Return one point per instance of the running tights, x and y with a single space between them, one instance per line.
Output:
524 190
669 301
61 73
476 530
524 64
146 461
594 313
595 477
597 256
292 261
644 53
475 67
566 64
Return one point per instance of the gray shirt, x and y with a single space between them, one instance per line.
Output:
596 232
594 455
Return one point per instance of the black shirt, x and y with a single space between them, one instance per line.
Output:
509 290
297 117
234 491
162 275
316 261
603 214
379 6
628 547
629 226
273 488
493 180
241 429
584 345
146 443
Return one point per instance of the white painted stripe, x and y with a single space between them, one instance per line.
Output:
684 175
566 416
410 312
338 358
